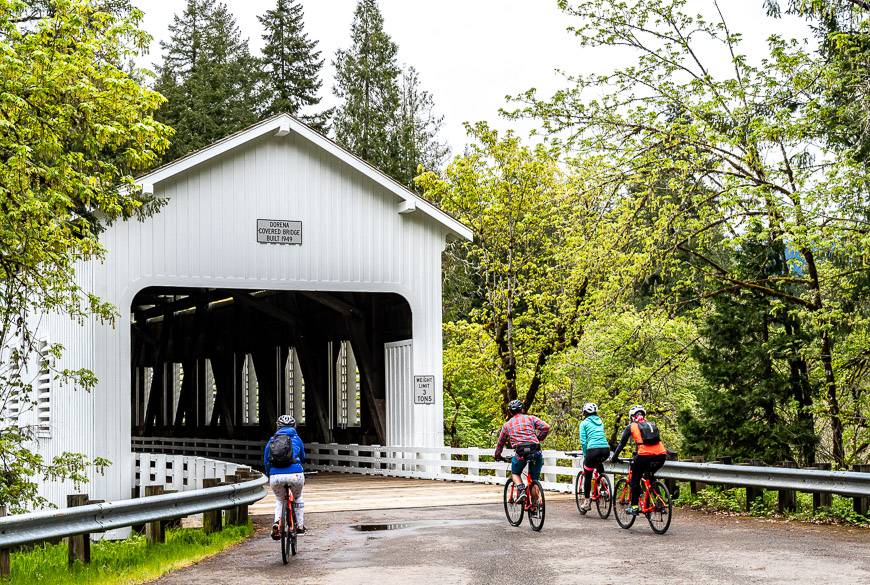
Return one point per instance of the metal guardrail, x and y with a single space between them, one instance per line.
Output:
51 524
464 464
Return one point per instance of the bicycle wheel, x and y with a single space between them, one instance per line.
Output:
578 492
512 509
293 527
285 535
621 501
660 517
604 503
536 506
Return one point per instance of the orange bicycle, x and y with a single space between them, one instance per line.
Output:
655 503
600 490
533 504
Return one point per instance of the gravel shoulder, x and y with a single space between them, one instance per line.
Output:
474 544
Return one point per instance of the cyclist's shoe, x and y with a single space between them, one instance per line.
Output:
276 531
585 505
521 495
300 530
632 510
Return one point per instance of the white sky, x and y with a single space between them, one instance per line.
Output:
470 53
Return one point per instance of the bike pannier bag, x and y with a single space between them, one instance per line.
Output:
649 432
281 451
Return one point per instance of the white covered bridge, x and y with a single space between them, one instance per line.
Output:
283 275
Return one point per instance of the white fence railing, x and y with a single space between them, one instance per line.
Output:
180 472
239 452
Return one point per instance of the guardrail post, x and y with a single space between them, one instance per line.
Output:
240 516
231 513
154 533
172 522
211 520
78 546
5 564
696 486
752 492
822 499
550 462
861 505
787 499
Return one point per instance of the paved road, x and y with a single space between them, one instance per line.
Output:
474 544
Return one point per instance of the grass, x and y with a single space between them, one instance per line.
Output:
718 499
123 562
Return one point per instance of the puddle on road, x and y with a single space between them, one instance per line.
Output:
379 527
382 527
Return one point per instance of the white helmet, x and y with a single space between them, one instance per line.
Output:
285 420
635 410
590 408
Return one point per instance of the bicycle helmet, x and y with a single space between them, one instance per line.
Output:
515 406
590 408
635 410
285 420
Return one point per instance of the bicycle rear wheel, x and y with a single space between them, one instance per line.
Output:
621 501
536 506
513 510
578 492
285 535
293 528
604 503
660 517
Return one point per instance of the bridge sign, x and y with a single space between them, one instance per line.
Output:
279 231
424 389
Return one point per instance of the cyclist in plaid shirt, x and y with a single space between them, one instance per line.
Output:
525 433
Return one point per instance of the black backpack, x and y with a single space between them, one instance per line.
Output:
281 451
649 432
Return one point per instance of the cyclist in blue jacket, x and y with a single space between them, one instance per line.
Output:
282 459
595 447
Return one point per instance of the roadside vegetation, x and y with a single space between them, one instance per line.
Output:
123 562
733 502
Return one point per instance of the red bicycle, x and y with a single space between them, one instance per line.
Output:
655 503
288 528
533 503
601 493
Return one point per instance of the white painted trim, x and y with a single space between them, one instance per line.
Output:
281 125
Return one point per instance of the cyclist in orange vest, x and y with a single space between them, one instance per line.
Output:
651 451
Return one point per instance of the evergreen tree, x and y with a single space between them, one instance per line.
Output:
208 77
417 130
292 65
366 80
758 397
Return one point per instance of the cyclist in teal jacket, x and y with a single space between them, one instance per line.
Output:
595 447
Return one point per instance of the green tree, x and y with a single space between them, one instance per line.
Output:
366 82
74 129
737 145
292 65
417 129
758 397
208 77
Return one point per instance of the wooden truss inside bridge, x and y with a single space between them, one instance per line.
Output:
224 363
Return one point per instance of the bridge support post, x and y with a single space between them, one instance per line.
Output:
5 564
211 520
79 546
154 533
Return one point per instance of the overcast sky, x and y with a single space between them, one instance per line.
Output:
470 53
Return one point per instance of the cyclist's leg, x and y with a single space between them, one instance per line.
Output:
536 462
638 468
296 485
594 460
279 488
517 466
